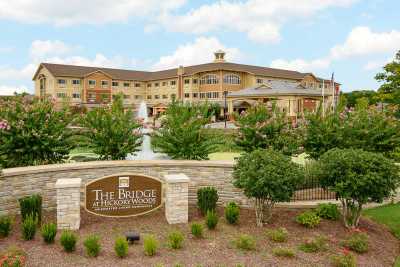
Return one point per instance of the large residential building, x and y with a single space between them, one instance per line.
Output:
237 86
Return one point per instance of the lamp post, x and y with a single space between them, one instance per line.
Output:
225 106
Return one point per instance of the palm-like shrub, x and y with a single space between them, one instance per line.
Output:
33 132
358 177
267 176
182 135
111 131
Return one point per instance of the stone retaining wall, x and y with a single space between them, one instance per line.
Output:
19 182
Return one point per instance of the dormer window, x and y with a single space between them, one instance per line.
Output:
260 81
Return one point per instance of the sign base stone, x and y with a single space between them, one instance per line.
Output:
68 203
176 198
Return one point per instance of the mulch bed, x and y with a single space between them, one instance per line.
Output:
215 249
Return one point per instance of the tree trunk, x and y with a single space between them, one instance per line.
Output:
351 213
259 207
268 206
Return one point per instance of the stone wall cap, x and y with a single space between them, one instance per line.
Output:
65 183
176 178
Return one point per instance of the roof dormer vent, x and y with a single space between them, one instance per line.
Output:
219 56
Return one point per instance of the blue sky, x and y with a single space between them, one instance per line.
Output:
353 38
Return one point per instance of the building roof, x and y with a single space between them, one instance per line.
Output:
61 70
278 88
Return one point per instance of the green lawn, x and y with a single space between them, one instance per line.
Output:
388 215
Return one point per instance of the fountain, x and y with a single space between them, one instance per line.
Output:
145 153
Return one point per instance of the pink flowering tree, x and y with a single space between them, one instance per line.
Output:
32 132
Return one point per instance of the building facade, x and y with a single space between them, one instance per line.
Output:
237 86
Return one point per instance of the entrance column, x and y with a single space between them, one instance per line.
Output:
68 203
176 198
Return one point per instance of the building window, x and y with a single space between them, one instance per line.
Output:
92 97
232 79
114 84
187 95
149 85
76 95
76 82
194 81
209 79
195 95
61 95
138 97
164 83
92 83
137 84
173 96
62 82
104 84
202 95
260 81
42 84
149 97
156 97
172 82
127 96
156 84
214 95
164 96
126 84
187 81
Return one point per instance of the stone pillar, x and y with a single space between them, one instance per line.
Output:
176 198
68 203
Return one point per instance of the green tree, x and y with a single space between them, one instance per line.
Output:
358 177
182 135
33 132
111 131
268 177
260 128
352 97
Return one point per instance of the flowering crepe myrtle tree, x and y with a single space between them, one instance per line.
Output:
357 177
111 131
267 177
33 132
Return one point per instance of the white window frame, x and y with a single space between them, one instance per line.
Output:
232 79
93 84
209 79
104 84
62 84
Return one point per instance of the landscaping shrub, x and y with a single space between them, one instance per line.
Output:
121 247
278 235
175 239
267 177
211 219
197 230
13 257
150 245
31 205
308 219
358 177
328 211
357 242
68 240
345 260
245 242
92 245
207 198
29 227
283 252
5 225
232 213
317 244
49 231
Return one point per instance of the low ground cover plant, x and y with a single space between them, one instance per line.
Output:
317 244
68 240
150 245
175 239
121 247
357 242
13 257
92 245
308 219
49 231
283 252
278 235
232 211
245 242
207 198
328 211
29 227
211 219
197 230
345 260
5 225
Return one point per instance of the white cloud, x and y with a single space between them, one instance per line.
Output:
261 20
197 52
74 12
301 64
362 41
44 48
377 64
10 90
8 73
